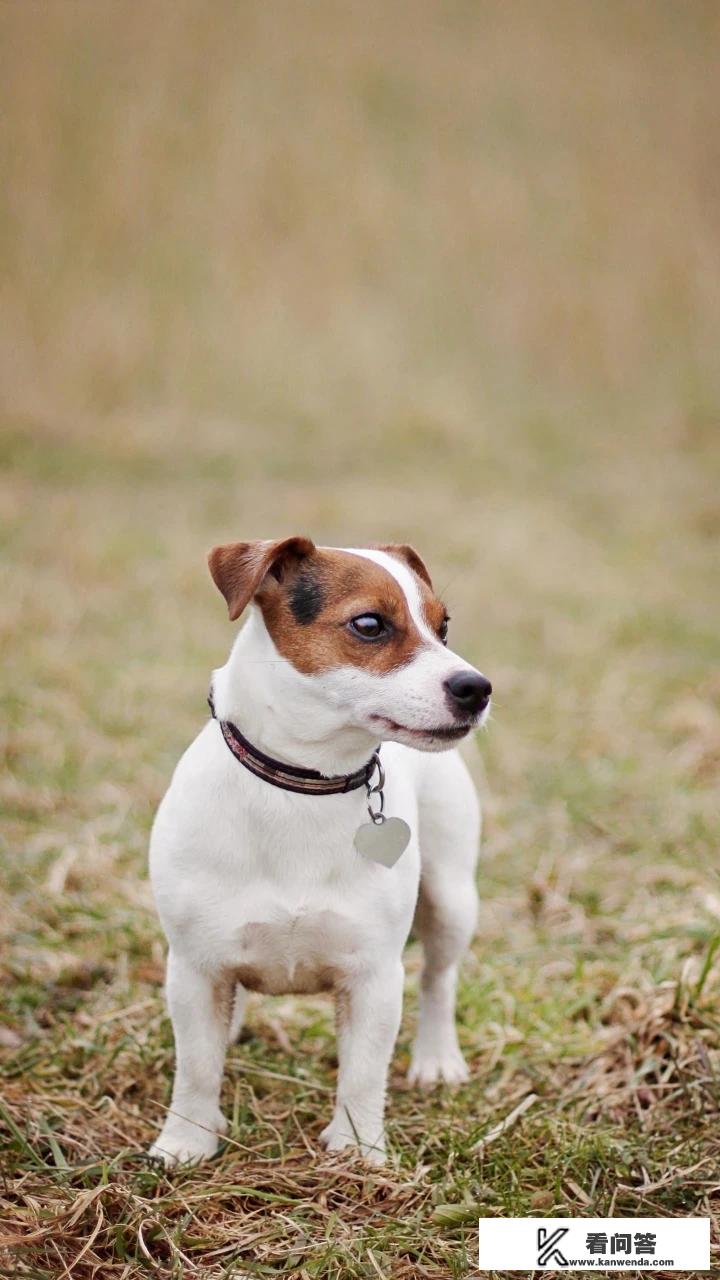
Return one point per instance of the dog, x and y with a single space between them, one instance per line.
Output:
262 855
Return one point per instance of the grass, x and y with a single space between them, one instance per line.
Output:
450 277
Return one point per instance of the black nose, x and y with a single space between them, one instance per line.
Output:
467 692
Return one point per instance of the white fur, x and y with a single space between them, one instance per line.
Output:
248 877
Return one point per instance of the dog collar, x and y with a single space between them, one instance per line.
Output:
287 776
382 839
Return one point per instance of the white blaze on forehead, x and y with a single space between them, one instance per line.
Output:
405 579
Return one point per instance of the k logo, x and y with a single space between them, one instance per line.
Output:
547 1246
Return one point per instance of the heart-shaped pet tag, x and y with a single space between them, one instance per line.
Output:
383 841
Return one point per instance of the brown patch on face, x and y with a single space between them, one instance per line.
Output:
308 617
412 558
433 609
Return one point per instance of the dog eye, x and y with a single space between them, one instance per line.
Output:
369 626
443 630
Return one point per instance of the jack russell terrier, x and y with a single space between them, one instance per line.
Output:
293 853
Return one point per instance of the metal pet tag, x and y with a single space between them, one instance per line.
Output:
383 841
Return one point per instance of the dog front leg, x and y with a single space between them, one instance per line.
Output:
368 1019
200 1012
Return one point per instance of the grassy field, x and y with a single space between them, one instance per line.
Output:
442 274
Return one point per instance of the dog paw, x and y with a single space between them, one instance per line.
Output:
429 1068
183 1143
336 1137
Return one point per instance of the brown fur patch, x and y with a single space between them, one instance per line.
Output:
348 586
306 979
238 568
402 551
222 994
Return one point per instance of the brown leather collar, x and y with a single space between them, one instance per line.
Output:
287 776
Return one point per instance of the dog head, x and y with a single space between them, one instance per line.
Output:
363 628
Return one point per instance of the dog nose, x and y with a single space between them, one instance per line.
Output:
467 692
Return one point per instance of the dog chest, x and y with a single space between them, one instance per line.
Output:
297 951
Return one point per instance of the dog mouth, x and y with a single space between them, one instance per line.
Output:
449 733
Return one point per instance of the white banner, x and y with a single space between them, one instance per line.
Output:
598 1244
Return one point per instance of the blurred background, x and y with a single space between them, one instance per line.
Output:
446 274
441 273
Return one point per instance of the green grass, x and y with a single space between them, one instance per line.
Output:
453 281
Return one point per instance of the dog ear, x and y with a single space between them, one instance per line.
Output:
239 568
409 555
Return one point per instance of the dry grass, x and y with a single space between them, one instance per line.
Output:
446 274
